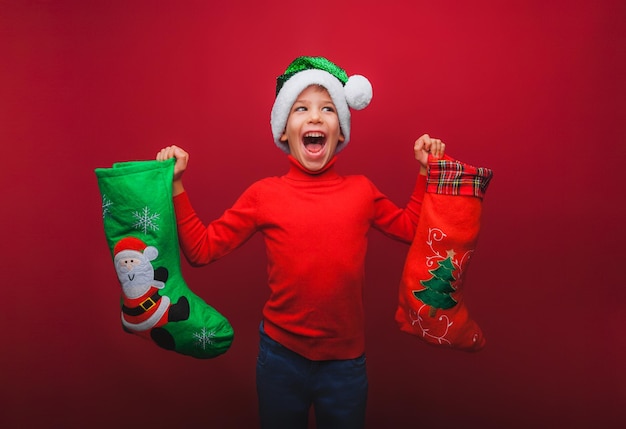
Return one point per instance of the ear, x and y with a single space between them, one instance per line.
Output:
341 138
283 137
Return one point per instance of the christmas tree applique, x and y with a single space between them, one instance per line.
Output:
438 287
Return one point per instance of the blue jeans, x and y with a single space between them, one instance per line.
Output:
288 384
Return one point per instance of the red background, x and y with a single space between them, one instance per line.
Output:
535 90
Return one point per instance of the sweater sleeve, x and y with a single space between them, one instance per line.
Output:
399 223
202 244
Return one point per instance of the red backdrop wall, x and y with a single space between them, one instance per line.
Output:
535 90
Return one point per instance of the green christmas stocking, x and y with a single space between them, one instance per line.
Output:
140 228
431 304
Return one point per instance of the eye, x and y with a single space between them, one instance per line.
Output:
299 109
328 109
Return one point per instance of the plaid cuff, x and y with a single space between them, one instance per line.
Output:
450 177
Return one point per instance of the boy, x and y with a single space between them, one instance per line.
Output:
315 225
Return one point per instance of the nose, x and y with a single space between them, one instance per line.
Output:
314 116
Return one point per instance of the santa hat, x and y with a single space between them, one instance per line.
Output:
346 92
136 245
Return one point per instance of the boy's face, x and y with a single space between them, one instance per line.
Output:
312 130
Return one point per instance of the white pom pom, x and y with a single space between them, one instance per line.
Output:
358 91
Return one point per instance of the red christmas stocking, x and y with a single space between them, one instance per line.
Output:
431 304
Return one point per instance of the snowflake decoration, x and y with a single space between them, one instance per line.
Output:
146 220
204 338
106 205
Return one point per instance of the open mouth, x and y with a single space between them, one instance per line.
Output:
314 141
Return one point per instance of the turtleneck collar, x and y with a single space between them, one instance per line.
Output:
298 172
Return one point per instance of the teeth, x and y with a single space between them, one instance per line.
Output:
314 135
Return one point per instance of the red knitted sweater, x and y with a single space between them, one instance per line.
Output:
315 229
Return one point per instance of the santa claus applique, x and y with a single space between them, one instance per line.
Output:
145 308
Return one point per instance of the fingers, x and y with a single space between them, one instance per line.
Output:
166 153
171 152
419 143
427 145
182 159
437 148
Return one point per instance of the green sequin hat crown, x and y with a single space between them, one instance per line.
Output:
346 92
